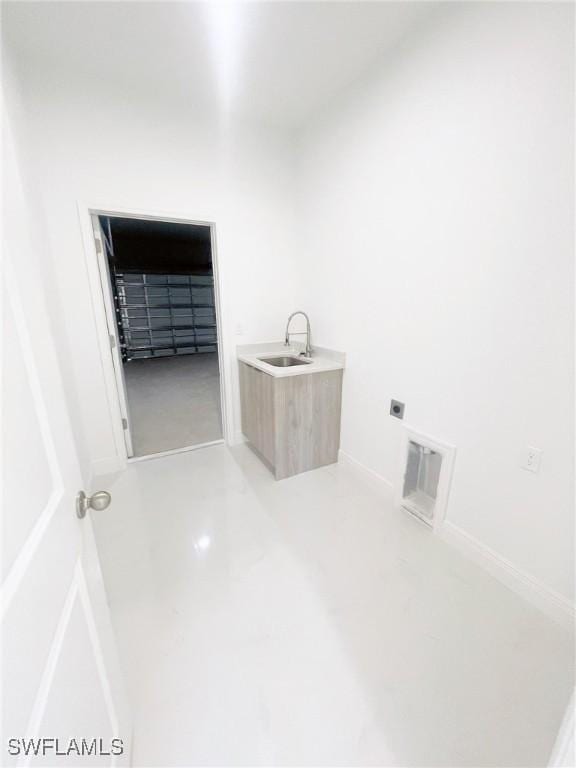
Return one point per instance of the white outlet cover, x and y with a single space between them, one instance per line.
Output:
533 459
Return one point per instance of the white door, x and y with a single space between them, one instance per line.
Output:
104 249
62 686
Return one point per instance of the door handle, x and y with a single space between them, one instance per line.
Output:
98 500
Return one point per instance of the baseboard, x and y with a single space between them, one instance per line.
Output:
556 606
377 482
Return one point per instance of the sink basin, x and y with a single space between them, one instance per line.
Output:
284 361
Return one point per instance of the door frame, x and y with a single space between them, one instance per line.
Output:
100 289
109 308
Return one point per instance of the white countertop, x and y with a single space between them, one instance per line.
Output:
322 359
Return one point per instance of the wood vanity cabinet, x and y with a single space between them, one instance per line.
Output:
293 422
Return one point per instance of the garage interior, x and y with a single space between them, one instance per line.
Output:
163 288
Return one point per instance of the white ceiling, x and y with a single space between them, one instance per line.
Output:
271 61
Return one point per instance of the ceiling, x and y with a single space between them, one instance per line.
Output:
271 61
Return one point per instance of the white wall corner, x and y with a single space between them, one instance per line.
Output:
378 483
554 605
237 438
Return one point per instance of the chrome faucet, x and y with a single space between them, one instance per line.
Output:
308 351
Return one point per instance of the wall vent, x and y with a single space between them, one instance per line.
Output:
424 477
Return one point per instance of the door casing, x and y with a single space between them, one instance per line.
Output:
98 288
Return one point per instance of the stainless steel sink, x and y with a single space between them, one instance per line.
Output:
284 361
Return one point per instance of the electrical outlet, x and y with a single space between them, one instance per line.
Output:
533 459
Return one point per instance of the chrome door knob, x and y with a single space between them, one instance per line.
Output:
98 500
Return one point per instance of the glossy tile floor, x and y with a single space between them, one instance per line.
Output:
174 402
306 622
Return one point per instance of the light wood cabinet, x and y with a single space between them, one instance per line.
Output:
293 422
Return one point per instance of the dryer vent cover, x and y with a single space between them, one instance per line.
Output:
425 478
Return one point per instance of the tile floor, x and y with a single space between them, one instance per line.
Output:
306 622
174 402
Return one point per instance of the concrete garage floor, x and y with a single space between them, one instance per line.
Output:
174 402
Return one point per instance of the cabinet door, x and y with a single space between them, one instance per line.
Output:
257 402
307 422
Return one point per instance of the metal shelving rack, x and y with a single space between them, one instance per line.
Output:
161 315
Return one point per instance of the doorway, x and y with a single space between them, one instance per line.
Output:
158 284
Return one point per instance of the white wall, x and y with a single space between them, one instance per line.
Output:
88 141
438 201
434 246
